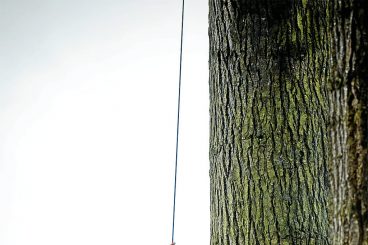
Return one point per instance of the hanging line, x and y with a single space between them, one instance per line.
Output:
177 122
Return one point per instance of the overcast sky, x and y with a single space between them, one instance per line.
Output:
87 122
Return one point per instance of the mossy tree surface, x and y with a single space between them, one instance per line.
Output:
348 95
268 117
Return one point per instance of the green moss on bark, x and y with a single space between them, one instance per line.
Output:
267 134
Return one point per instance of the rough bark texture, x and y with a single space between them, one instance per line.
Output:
348 95
268 117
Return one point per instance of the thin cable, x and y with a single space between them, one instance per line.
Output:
177 121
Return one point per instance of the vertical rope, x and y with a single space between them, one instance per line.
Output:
177 122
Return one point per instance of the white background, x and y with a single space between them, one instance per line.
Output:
88 94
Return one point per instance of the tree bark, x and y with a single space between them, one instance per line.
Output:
348 96
268 117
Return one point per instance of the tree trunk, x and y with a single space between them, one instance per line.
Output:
348 95
268 117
